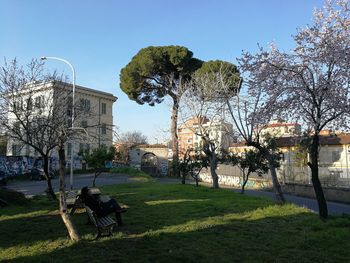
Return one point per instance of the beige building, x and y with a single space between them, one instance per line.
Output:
189 133
280 128
334 159
95 115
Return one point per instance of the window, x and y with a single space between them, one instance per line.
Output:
17 127
16 150
84 124
104 108
84 147
17 105
69 122
85 104
335 156
29 104
39 102
104 128
69 149
69 106
87 147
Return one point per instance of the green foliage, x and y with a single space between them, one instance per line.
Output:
270 144
212 223
301 156
130 171
251 162
98 157
192 163
216 78
154 71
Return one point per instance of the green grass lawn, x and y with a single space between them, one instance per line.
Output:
177 223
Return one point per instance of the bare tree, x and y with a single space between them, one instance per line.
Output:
251 111
127 140
33 112
219 90
22 110
132 138
311 83
203 114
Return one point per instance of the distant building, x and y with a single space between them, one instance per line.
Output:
280 128
3 144
334 159
189 138
98 120
152 159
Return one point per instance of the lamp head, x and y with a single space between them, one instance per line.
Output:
43 58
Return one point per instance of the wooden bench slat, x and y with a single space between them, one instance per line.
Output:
101 223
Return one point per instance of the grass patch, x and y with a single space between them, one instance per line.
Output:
86 171
22 177
12 197
131 172
177 223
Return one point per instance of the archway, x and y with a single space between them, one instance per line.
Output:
149 164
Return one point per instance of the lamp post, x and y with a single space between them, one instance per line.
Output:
73 71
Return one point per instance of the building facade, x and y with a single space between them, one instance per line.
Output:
280 128
93 116
189 134
334 159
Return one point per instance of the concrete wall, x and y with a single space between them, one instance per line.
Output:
162 154
336 194
236 181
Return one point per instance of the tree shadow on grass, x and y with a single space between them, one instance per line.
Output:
290 238
144 214
149 209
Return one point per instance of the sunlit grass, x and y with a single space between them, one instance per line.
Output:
159 202
177 223
131 172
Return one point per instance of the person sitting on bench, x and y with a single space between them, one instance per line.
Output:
102 208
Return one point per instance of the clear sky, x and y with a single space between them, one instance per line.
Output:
100 37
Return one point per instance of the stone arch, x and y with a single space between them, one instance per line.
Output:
150 164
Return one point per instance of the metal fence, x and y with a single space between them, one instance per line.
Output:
330 176
333 176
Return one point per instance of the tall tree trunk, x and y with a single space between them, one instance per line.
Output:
213 164
50 191
183 178
209 150
276 185
175 139
245 180
73 234
270 158
321 200
95 177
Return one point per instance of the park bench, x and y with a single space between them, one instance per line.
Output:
74 201
104 224
3 202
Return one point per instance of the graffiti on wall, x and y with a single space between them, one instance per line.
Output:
19 165
235 181
16 165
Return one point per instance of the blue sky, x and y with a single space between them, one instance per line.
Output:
100 37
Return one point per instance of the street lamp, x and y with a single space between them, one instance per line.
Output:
73 71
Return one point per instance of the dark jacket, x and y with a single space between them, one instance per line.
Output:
93 203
